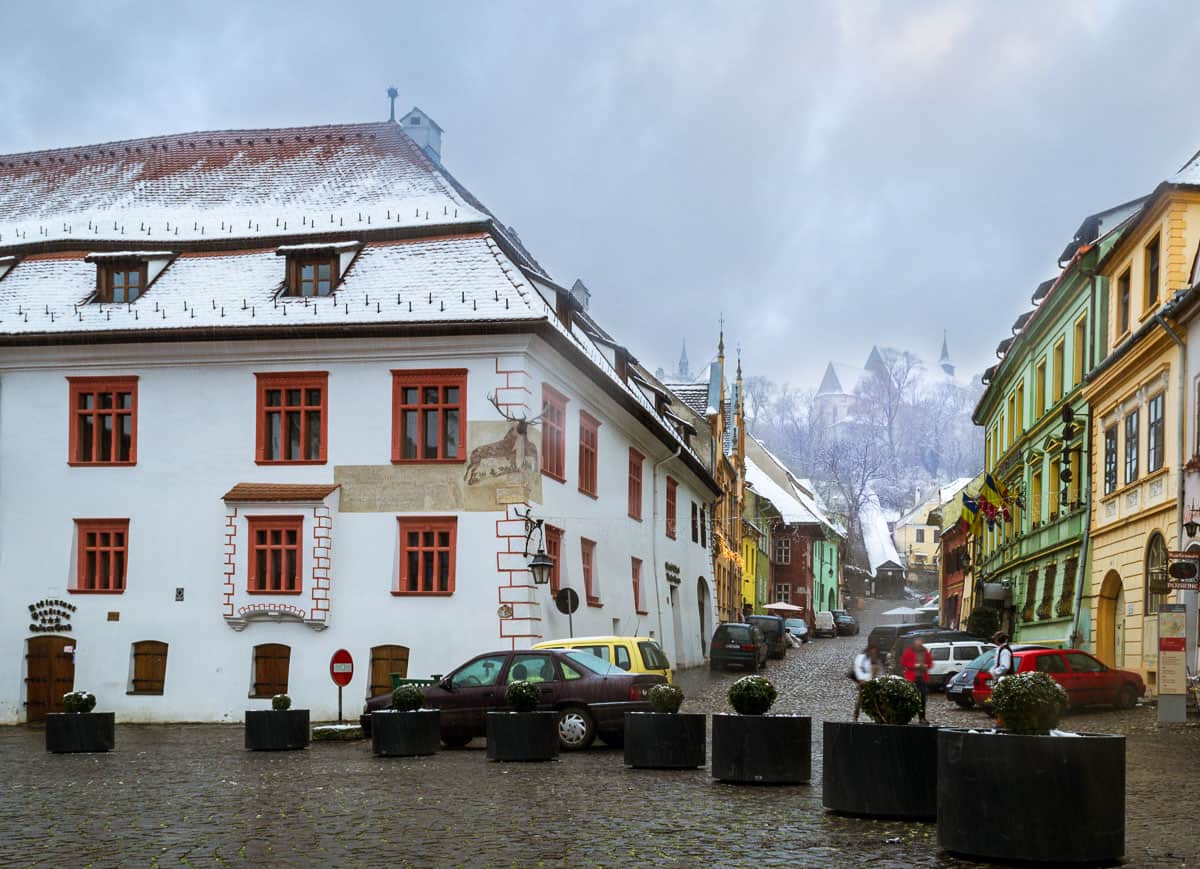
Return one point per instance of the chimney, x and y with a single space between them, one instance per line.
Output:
423 130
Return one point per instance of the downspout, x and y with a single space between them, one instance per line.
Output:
1084 541
1179 425
654 545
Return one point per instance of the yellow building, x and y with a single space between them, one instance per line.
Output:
1135 397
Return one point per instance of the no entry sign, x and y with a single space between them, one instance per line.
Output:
341 668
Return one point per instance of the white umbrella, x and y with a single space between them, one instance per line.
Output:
784 607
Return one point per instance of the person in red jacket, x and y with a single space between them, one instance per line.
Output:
917 662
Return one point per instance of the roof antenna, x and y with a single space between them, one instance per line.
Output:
392 94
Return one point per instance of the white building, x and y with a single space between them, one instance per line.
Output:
263 396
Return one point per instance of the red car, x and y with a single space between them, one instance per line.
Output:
590 695
1087 681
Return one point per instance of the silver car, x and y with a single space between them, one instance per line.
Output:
798 628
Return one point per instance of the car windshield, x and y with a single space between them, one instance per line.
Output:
593 664
795 625
653 657
983 662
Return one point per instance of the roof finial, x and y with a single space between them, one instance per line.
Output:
721 341
392 94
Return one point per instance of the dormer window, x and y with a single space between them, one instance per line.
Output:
121 278
120 282
312 275
314 270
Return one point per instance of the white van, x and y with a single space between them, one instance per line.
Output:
824 625
950 657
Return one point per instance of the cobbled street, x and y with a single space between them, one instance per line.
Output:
190 795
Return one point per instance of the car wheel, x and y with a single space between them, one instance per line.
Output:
455 738
1127 698
576 729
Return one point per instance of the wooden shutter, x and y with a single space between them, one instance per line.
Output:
149 667
271 662
386 660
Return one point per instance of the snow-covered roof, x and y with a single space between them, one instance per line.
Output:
694 395
876 538
231 184
790 507
808 503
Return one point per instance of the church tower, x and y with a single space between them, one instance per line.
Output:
685 375
944 362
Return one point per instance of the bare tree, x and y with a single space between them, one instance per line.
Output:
887 391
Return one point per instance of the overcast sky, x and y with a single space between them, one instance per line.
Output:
828 175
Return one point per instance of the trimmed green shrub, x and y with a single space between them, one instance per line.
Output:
1029 703
890 700
281 702
665 698
983 622
752 695
79 701
408 698
523 696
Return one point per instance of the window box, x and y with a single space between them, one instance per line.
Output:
292 418
103 421
428 549
429 416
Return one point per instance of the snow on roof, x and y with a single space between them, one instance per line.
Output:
230 184
805 496
462 278
694 395
876 538
793 511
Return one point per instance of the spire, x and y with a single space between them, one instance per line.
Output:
684 374
721 342
944 362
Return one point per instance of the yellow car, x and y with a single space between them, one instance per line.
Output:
635 654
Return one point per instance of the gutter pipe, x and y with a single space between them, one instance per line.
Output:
1179 425
1084 542
654 545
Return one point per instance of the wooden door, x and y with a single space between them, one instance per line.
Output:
50 673
149 667
386 660
271 661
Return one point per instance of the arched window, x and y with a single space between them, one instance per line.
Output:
1156 573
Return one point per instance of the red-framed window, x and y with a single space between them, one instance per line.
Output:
589 444
293 418
554 433
428 545
120 282
695 523
275 554
703 527
103 421
429 415
672 485
635 484
587 549
554 538
638 604
312 274
103 546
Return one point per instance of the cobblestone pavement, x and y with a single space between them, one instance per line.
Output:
190 795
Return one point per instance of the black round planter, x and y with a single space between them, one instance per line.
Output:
880 770
1002 796
276 730
522 736
70 732
762 749
655 740
405 734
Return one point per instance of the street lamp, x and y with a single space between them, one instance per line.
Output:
541 564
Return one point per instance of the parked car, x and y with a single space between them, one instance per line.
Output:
951 656
590 695
824 624
961 689
773 630
798 628
1088 681
737 643
632 654
846 624
883 637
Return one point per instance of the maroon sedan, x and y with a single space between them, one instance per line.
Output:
1088 682
590 695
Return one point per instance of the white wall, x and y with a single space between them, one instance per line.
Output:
196 439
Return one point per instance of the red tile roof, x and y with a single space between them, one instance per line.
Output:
279 492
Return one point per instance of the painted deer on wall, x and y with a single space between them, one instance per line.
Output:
511 455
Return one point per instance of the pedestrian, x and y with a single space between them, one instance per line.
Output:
917 662
867 665
1003 664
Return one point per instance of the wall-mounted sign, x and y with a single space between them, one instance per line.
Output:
673 575
50 616
1183 572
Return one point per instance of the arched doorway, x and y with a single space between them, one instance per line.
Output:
1110 621
705 607
49 674
831 600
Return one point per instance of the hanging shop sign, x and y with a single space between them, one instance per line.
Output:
50 616
1183 574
